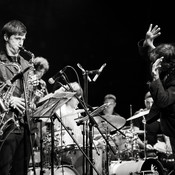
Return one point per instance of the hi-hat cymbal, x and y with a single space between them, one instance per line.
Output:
142 113
109 122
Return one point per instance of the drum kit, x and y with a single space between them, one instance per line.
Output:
115 149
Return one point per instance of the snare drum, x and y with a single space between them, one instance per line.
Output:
148 166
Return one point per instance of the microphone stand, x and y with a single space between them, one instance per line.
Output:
92 122
85 128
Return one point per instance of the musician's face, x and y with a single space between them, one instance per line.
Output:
149 102
13 43
111 105
40 73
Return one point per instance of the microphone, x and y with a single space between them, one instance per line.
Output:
99 72
57 75
79 65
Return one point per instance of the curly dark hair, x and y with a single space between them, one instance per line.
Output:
41 63
167 51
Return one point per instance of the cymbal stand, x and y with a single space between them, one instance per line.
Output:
145 141
131 125
132 149
107 154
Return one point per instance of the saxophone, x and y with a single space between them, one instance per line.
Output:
7 122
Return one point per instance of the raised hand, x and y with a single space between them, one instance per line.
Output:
155 68
151 34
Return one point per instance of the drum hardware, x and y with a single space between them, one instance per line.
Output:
106 124
127 145
96 149
145 141
141 114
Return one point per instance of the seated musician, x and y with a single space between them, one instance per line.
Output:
110 115
155 140
67 113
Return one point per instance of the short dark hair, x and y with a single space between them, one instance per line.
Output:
14 27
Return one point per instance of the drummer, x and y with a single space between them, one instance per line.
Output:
110 114
110 110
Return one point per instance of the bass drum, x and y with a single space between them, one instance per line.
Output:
65 170
77 160
148 166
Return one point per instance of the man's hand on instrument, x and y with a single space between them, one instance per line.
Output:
17 103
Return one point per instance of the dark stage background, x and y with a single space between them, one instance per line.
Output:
92 33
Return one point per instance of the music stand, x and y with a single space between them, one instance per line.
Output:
51 103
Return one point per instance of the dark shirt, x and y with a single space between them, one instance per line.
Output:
8 69
152 130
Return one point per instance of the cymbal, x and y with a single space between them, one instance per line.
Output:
142 113
109 122
139 132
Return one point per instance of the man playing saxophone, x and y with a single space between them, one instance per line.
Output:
15 92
